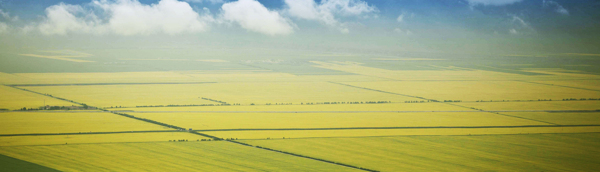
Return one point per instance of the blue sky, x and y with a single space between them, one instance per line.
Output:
437 25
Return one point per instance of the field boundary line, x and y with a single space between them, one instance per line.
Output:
84 84
87 133
378 128
532 82
549 111
448 103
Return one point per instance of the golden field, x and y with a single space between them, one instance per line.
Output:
173 77
562 118
586 84
200 121
450 74
164 156
436 136
97 138
477 90
13 99
185 94
310 108
69 122
280 134
534 105
534 152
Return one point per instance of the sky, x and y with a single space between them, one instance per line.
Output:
340 26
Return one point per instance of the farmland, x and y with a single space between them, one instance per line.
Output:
93 138
13 99
207 121
534 152
186 156
69 122
193 94
352 117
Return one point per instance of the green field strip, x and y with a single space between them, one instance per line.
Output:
16 165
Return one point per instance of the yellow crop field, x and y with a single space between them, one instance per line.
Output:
173 76
418 75
13 99
65 122
534 105
534 152
571 118
246 93
97 138
313 108
199 121
477 90
164 156
280 134
116 77
586 84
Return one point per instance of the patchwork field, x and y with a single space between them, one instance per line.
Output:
570 118
478 90
303 122
306 108
13 99
433 131
185 94
97 138
66 122
169 156
534 105
534 152
201 121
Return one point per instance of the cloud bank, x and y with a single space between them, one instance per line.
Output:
326 11
253 16
131 17
556 6
492 2
123 17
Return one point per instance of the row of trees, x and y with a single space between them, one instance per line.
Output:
571 99
327 103
58 108
213 100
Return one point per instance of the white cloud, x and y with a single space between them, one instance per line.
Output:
124 17
61 19
345 30
521 23
404 16
201 1
513 31
326 11
7 16
400 18
557 7
403 32
492 2
253 16
3 27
